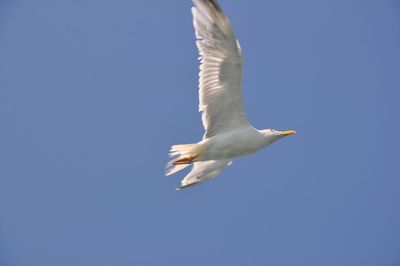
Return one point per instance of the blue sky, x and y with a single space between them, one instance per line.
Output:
93 93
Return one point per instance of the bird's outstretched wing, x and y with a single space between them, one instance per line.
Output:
220 78
203 171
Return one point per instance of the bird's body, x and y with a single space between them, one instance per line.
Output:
235 143
228 134
231 144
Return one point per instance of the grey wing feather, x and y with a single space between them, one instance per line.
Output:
203 171
220 77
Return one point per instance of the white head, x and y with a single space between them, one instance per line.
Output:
272 135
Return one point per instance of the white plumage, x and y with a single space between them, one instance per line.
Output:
228 134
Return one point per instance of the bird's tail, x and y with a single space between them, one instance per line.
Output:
184 155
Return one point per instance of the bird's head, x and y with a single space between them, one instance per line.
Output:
272 135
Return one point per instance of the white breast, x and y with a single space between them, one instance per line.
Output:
233 144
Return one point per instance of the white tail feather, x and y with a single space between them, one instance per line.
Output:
184 149
180 152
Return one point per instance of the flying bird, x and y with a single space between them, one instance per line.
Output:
228 134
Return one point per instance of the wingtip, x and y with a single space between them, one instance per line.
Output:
187 185
181 187
213 3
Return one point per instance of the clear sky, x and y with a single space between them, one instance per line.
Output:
93 93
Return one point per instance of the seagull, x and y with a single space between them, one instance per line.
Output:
228 134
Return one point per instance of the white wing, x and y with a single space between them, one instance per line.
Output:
220 81
202 172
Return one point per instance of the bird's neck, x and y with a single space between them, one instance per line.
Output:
268 137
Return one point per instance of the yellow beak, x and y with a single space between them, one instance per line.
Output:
287 132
